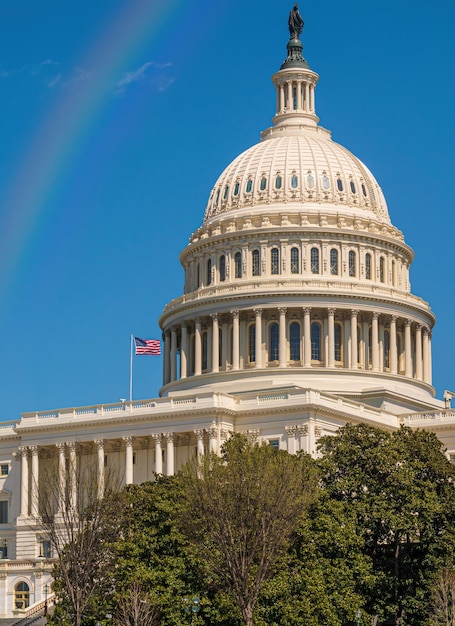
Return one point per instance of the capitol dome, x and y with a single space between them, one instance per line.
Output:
305 170
296 276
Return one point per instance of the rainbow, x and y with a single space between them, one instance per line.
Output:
131 33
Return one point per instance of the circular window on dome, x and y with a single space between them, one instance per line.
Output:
278 182
249 185
339 184
352 185
263 185
294 181
236 188
226 192
325 182
310 181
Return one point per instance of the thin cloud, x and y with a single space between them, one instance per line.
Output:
140 74
52 82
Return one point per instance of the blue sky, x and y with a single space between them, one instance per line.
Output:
116 119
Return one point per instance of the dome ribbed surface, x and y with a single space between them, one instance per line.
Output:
307 168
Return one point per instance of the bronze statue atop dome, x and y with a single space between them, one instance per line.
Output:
295 22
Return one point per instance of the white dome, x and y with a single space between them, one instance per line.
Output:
302 168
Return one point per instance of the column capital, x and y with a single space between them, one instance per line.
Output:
22 451
257 312
157 437
170 437
331 311
354 312
199 434
71 445
235 314
303 430
184 325
99 443
407 322
128 441
291 431
197 321
212 432
393 319
61 446
375 315
214 317
282 310
34 450
307 310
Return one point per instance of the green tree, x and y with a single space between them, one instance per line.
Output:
240 512
399 486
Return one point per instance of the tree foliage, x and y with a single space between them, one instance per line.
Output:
399 487
240 511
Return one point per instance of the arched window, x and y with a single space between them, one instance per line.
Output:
325 183
364 190
275 261
198 276
294 341
294 181
252 343
249 185
255 258
334 262
204 350
386 349
394 274
22 596
351 184
273 342
222 268
226 192
368 266
238 264
295 261
236 188
314 257
263 185
339 184
352 271
209 272
381 270
310 181
315 341
338 342
278 182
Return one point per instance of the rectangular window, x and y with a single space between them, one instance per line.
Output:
4 469
3 512
275 443
3 552
45 549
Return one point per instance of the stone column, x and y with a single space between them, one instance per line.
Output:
426 356
282 344
303 435
61 447
213 439
23 452
184 352
375 341
235 340
72 478
100 455
331 337
173 354
170 463
407 349
299 96
128 460
167 358
307 337
35 481
198 348
215 344
200 442
419 372
158 454
430 359
393 345
354 340
258 344
224 344
291 431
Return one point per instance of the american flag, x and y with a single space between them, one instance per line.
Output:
148 346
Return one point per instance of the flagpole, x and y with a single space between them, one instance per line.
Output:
131 368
